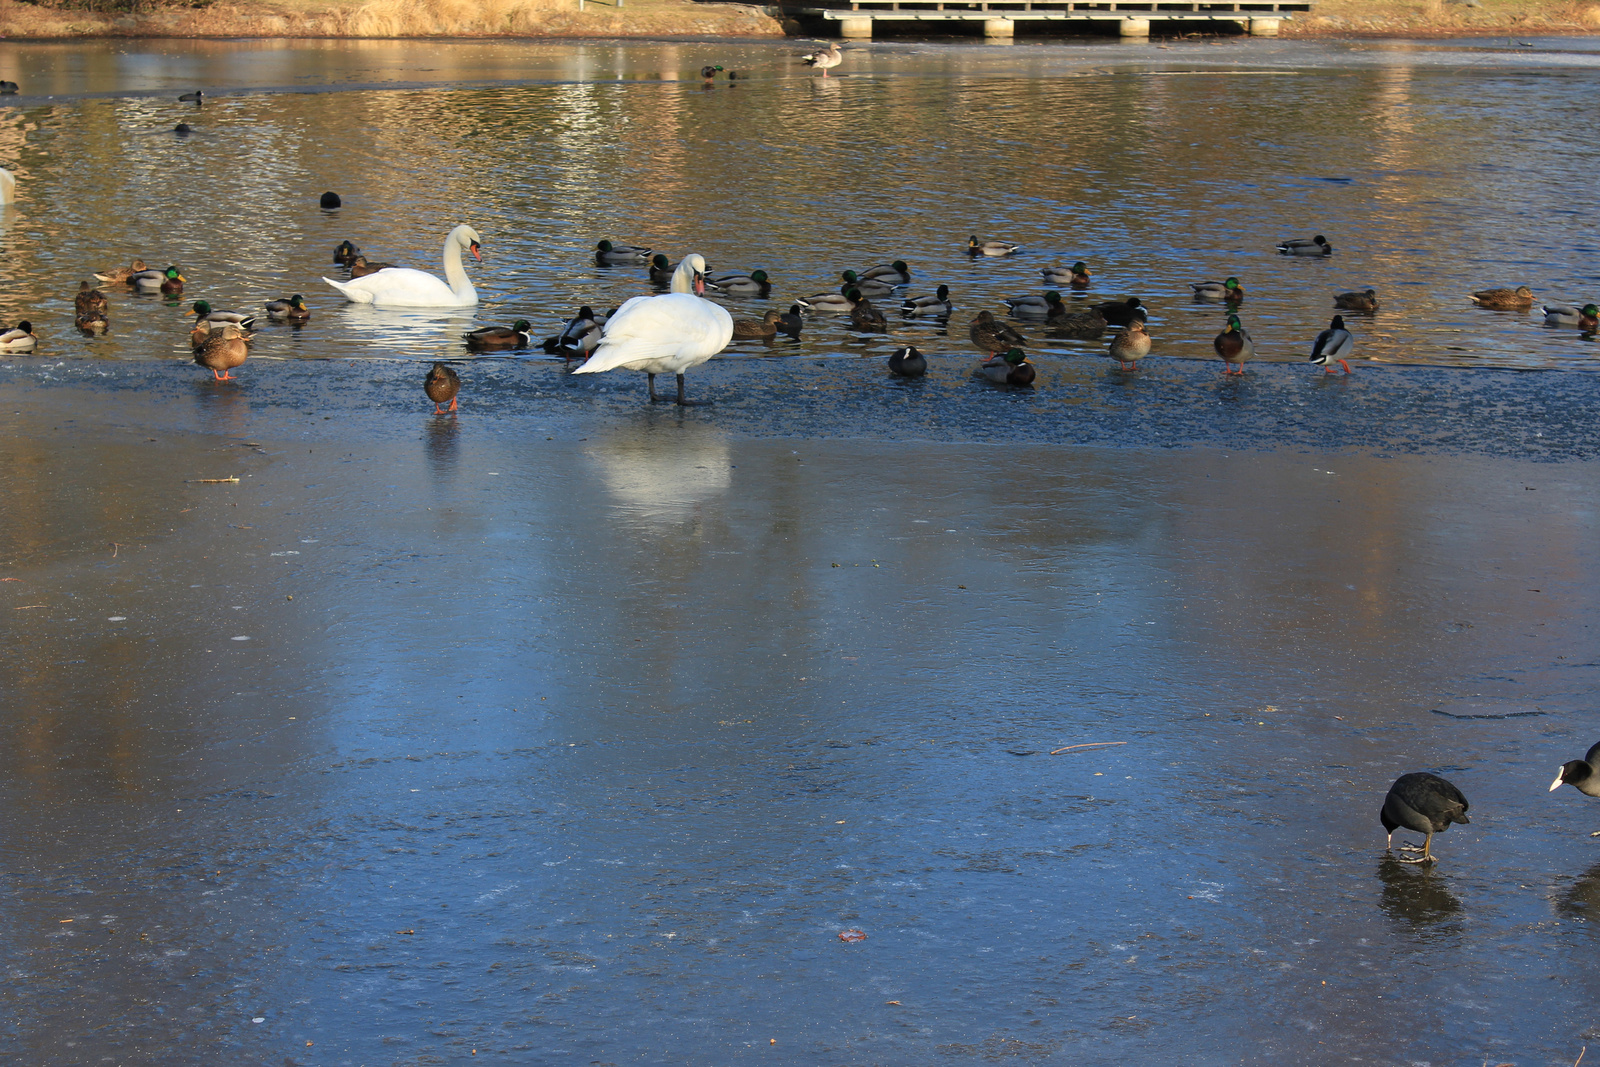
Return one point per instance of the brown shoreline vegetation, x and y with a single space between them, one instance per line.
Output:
66 19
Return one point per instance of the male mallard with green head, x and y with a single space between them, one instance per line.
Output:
1012 368
490 338
1234 346
1229 291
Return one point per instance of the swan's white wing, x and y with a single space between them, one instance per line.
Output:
399 287
661 334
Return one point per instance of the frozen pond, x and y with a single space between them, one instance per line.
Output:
572 730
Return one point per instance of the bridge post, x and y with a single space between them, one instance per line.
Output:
1263 27
1134 28
999 28
855 28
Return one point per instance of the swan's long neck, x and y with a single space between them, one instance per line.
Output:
455 275
683 279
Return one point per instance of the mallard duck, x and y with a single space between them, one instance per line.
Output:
89 300
1230 290
791 321
1088 324
1363 301
92 323
750 330
225 347
1012 368
490 338
937 305
8 88
1233 345
836 303
291 310
1076 276
19 338
360 267
1123 312
1425 803
1583 318
991 336
866 317
122 274
1305 246
825 58
868 286
168 282
1517 299
1333 345
661 269
607 254
709 73
1036 307
345 254
205 313
896 273
441 384
1130 345
755 282
578 337
976 247
907 362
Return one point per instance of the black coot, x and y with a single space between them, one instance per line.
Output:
330 200
1425 803
1582 774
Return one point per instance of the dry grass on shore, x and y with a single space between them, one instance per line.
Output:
665 18
397 18
1445 18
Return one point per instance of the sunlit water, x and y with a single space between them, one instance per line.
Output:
572 730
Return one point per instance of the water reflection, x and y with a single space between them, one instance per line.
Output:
1416 898
1581 899
662 469
442 437
222 406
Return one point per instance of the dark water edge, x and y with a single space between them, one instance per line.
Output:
1082 401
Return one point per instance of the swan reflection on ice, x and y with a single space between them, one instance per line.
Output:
409 332
662 473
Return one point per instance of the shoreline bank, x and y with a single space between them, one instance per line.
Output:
492 19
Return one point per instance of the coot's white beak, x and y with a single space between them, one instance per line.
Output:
1557 783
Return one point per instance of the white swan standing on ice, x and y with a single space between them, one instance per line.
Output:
664 334
404 287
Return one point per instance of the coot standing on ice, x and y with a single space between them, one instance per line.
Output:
1425 803
1583 775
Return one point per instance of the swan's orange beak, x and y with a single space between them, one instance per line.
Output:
476 254
699 284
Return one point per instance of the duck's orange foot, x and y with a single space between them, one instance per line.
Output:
1345 365
452 403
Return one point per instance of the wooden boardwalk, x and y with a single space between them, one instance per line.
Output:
999 18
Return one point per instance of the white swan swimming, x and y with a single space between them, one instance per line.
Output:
665 334
404 287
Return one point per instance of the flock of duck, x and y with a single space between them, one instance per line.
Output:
680 329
